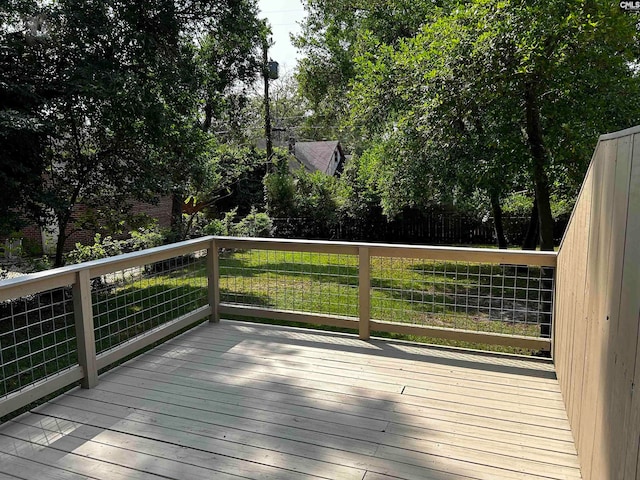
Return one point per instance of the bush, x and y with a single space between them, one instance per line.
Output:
39 264
140 239
145 237
255 224
280 195
101 248
222 227
216 227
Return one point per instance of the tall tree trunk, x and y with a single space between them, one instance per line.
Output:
496 210
541 186
177 201
62 236
531 238
208 116
540 161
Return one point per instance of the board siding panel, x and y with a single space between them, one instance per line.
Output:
597 312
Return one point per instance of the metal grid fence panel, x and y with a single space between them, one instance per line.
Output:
130 302
508 299
295 281
37 338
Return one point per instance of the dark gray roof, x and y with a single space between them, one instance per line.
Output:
316 155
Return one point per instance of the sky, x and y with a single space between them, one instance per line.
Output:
283 16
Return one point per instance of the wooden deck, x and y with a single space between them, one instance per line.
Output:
237 400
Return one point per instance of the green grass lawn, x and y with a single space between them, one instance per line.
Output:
488 298
37 336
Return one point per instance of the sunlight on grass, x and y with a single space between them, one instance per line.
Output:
479 297
41 341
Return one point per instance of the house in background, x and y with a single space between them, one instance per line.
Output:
325 156
43 239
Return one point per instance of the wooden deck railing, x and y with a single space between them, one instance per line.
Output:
48 325
62 326
462 277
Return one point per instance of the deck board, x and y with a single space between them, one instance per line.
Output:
237 400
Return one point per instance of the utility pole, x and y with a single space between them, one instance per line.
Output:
267 113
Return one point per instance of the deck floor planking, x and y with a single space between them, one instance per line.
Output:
238 400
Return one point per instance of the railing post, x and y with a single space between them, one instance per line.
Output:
213 275
83 312
546 297
364 292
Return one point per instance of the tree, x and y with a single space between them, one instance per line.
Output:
223 62
311 202
227 167
130 91
329 43
288 113
490 91
22 133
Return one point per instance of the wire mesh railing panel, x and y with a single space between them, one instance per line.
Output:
130 302
296 281
507 299
37 338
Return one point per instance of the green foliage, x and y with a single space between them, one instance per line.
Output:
145 237
255 224
125 115
318 197
493 96
101 248
229 165
22 130
315 197
39 264
288 108
107 246
330 40
280 190
216 227
518 204
31 248
231 177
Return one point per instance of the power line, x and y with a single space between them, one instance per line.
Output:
282 11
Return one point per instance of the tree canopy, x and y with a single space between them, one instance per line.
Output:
116 98
486 94
443 102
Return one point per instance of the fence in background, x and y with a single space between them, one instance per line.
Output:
428 228
62 326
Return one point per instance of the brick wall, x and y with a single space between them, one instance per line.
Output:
161 212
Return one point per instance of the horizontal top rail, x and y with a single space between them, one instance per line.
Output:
479 255
293 245
59 277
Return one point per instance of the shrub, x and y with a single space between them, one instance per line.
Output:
39 264
145 237
280 195
140 239
216 227
255 224
101 248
